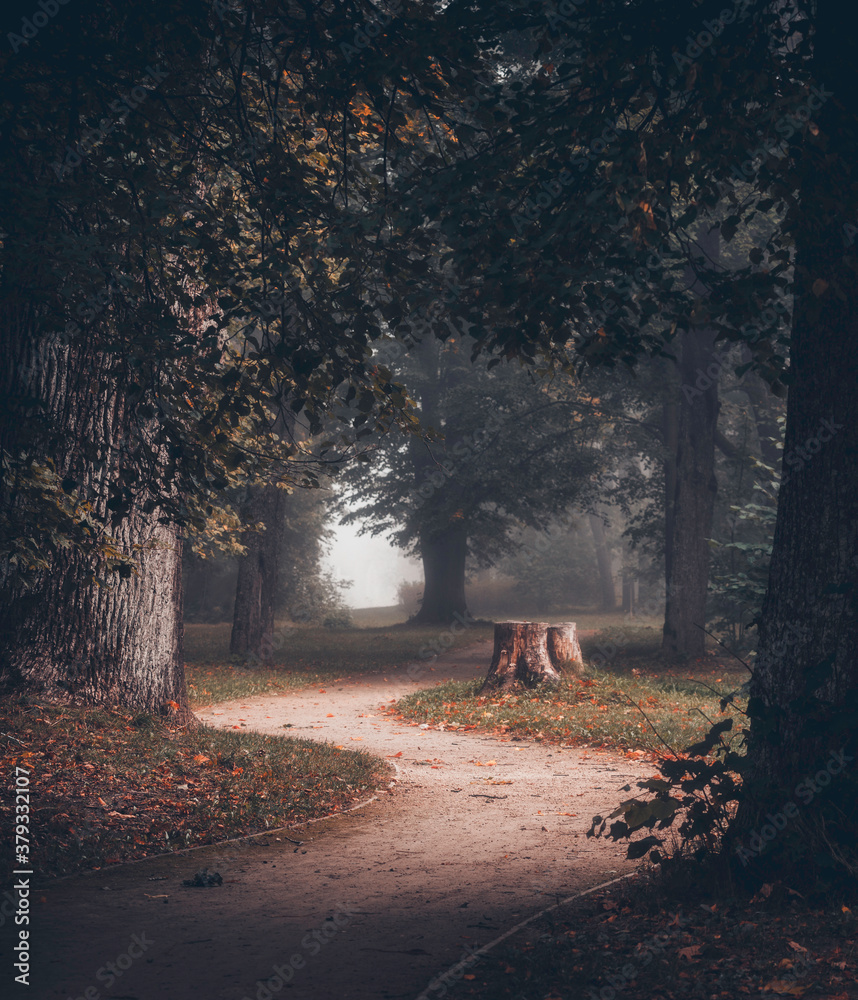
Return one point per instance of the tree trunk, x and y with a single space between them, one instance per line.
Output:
689 517
258 572
564 650
607 594
443 577
805 684
70 636
520 657
629 594
119 644
768 431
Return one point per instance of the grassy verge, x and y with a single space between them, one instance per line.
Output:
309 655
634 943
634 703
110 786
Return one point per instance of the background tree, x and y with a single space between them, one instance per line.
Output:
501 457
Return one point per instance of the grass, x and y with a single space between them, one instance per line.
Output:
109 785
635 705
308 655
634 942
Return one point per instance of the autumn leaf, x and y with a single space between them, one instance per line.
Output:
786 987
691 952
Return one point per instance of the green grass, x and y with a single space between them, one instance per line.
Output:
637 702
112 785
308 655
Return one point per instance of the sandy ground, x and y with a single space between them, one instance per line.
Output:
476 834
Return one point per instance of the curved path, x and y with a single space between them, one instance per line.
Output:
476 834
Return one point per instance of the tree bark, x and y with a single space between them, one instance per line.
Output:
258 574
520 657
693 503
805 684
607 593
564 650
444 556
71 636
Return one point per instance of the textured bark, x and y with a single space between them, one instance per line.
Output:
520 657
805 683
670 432
69 637
258 574
564 650
768 430
443 577
607 593
689 518
73 640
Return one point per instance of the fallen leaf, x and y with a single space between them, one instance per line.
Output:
786 987
395 754
690 952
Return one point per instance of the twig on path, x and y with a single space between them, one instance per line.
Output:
478 795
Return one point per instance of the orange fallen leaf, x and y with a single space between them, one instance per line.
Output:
200 758
357 739
690 952
395 754
330 715
786 986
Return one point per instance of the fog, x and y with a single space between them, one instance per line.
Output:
374 566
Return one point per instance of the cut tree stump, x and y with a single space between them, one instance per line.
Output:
564 648
521 657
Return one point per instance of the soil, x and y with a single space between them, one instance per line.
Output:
475 834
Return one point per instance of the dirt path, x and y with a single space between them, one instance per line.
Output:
476 834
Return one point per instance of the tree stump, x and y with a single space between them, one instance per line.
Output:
520 657
564 648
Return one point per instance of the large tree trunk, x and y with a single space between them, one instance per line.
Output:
607 593
443 557
805 684
119 644
688 518
77 632
258 573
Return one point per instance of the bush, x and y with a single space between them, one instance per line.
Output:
409 596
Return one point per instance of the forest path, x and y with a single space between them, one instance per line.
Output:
476 834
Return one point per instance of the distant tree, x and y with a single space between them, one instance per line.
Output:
505 451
